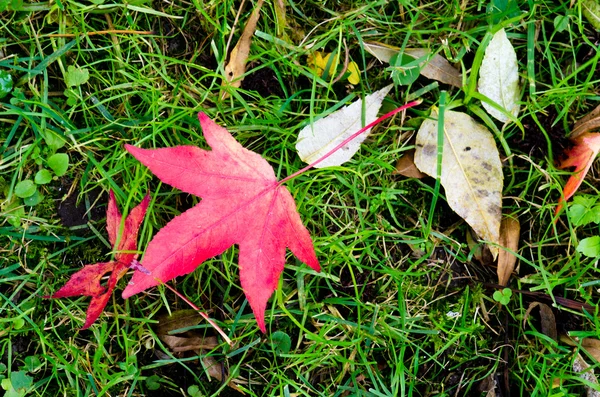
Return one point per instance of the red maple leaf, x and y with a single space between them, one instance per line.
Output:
242 203
581 156
87 280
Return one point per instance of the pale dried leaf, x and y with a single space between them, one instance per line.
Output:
499 77
589 122
213 368
187 343
586 373
591 345
405 166
510 230
547 319
239 55
381 51
471 171
177 321
435 67
323 135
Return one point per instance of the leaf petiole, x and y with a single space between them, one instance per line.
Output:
351 137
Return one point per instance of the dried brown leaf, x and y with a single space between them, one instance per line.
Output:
178 320
239 55
481 252
547 319
591 345
510 230
435 67
213 368
405 166
589 122
180 344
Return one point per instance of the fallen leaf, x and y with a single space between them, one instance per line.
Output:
238 57
591 345
87 281
499 77
173 323
547 319
326 65
471 170
405 166
354 77
581 156
510 230
242 203
481 252
434 67
323 135
589 122
587 374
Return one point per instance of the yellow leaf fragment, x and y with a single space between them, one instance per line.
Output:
354 77
510 230
325 66
471 170
239 55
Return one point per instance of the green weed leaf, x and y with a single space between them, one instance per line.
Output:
6 83
405 69
21 381
194 391
25 189
153 382
281 342
59 163
590 247
76 76
32 363
583 211
34 199
503 297
42 177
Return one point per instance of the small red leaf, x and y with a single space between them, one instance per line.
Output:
581 156
87 280
242 203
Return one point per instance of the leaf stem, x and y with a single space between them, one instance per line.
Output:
351 137
204 315
137 266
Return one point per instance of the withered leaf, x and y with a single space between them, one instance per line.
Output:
434 67
239 55
547 319
510 230
589 122
471 170
405 166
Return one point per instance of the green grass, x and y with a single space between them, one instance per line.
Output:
401 307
